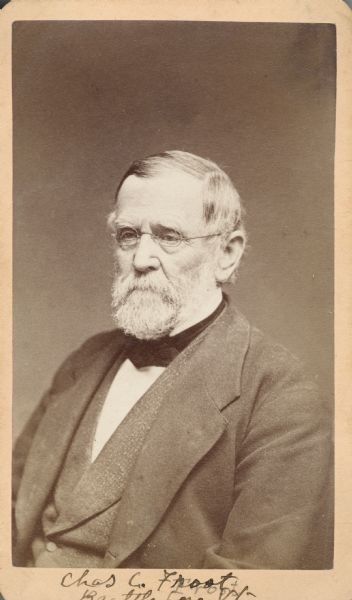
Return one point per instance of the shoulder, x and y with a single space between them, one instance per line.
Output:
280 388
83 356
268 370
273 362
94 345
255 350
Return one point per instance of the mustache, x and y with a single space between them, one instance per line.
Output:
155 283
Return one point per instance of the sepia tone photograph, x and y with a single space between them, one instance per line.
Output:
173 234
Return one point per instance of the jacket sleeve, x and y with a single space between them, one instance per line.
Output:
281 516
64 378
23 444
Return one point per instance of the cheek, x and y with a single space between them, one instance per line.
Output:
123 261
187 263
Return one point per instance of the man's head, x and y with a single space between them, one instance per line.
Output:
179 236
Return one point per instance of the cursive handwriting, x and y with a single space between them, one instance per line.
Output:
170 585
225 588
69 581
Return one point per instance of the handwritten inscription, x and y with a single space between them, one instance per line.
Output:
69 581
171 585
224 588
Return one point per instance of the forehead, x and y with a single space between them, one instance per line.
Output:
171 194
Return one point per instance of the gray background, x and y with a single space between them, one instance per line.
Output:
89 97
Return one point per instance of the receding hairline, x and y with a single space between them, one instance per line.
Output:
173 160
164 174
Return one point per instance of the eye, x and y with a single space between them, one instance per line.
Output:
170 238
126 236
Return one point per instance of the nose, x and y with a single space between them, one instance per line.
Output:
145 256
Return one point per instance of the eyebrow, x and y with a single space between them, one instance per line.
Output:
160 227
155 227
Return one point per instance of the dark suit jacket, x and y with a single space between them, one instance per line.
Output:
234 472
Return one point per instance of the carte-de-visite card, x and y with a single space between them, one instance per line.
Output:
176 300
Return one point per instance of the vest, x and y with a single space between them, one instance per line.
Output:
78 519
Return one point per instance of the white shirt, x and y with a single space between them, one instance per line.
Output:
129 385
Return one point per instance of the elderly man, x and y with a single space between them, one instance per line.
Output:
183 438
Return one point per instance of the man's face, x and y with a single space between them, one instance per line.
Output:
156 289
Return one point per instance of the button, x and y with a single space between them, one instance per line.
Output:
51 546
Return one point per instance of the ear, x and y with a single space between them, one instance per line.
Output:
229 256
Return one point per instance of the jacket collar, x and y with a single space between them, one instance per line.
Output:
221 354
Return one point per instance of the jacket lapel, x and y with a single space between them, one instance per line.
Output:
199 383
54 436
102 483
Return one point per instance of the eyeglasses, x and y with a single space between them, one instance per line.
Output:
127 237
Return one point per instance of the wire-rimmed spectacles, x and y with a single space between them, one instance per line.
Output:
128 237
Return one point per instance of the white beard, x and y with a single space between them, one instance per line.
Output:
145 307
148 306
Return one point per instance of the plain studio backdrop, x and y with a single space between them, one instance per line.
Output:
89 97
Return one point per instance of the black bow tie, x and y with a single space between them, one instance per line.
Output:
147 353
160 353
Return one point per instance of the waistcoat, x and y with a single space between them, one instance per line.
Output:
78 519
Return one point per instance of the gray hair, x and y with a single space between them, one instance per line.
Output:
222 209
